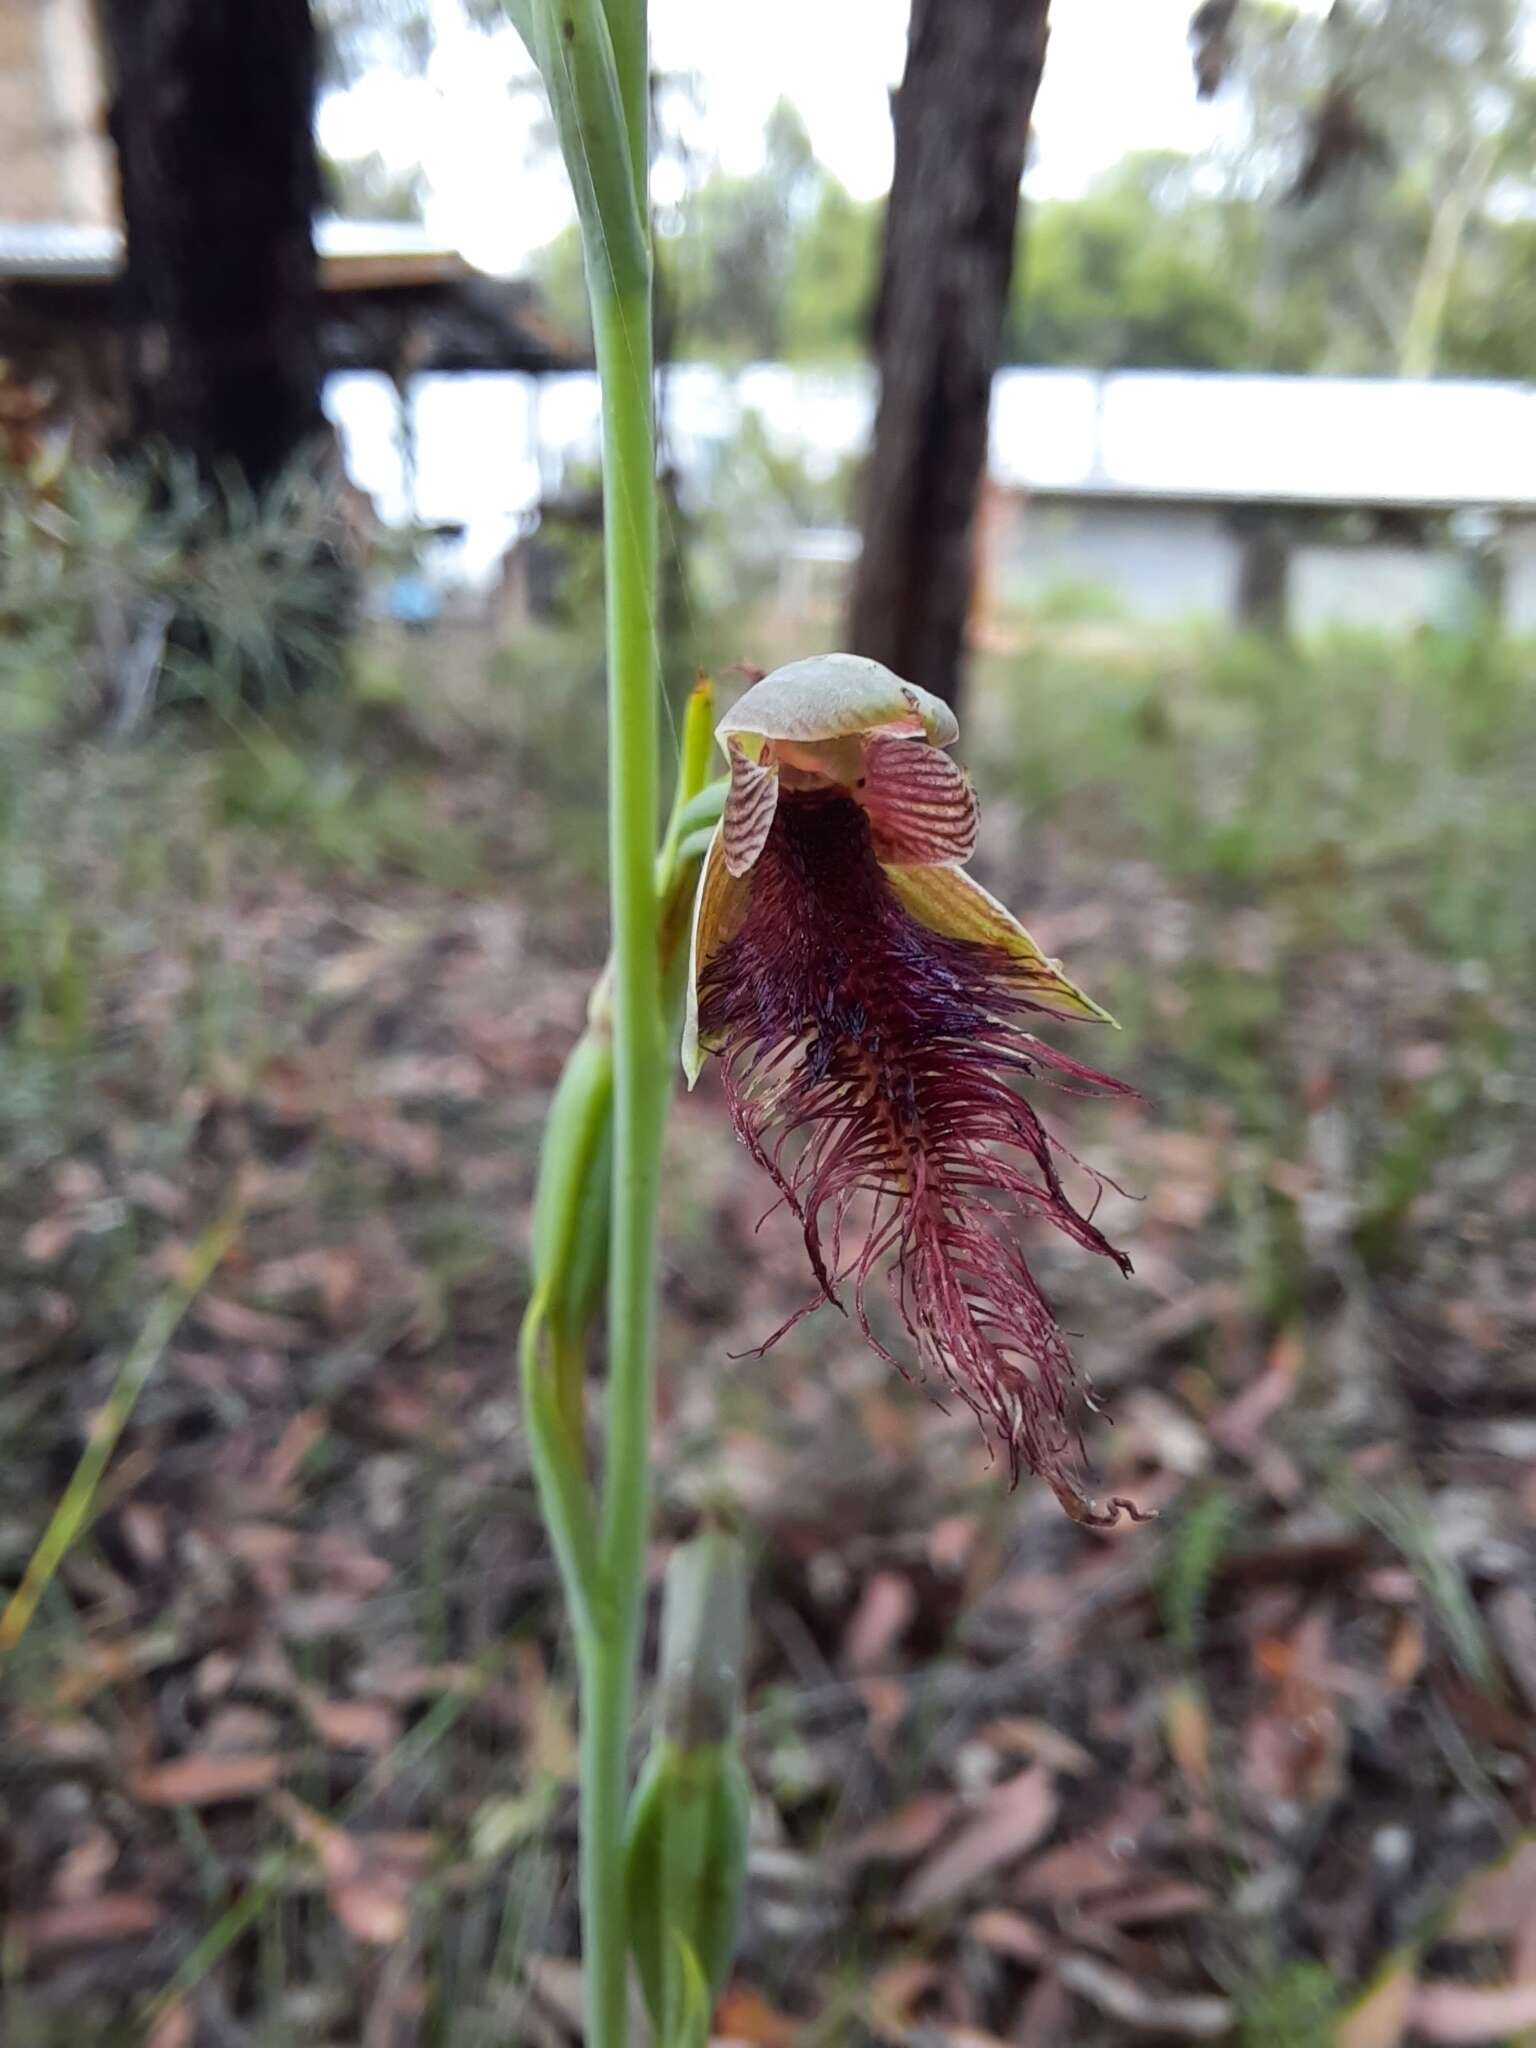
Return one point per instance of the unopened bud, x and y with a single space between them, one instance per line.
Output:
686 1855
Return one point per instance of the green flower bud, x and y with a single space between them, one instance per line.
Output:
686 1856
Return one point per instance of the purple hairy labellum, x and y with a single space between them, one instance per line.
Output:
871 1007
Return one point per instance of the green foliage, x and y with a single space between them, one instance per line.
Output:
370 187
1401 242
1491 317
1360 809
559 269
776 264
1143 271
830 290
123 588
1404 1518
725 265
1295 2008
1387 146
756 497
1187 1564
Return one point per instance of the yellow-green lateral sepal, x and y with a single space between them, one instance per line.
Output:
946 900
717 913
830 697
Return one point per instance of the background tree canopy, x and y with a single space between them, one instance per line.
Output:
1371 214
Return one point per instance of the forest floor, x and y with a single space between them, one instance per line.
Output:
288 1747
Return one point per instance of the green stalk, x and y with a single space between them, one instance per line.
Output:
622 331
593 56
630 34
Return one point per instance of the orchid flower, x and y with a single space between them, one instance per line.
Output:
871 1005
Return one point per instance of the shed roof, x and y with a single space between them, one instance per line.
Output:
392 294
354 254
1374 441
1421 444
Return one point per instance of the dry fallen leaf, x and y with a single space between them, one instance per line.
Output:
961 2036
408 1143
1013 1818
84 1864
50 1237
901 1835
1023 1735
351 1724
112 1916
421 1077
893 1995
1181 2016
1379 2019
546 1714
204 1780
1405 1657
238 1324
1472 2015
1171 1901
377 1912
302 1432
1104 1861
175 2028
1500 1900
556 1984
884 1613
745 2015
1188 1727
1512 1619
1010 1934
367 1882
1045 2015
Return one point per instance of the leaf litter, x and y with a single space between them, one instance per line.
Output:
300 1687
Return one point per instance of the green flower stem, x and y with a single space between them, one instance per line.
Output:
628 31
622 332
594 59
599 96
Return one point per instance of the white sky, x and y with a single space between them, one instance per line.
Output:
1117 78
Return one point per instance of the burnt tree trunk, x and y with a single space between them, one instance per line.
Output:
962 121
211 118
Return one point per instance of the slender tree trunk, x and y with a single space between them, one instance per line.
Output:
211 117
962 122
1419 352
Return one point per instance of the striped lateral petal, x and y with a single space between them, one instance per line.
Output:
749 809
921 807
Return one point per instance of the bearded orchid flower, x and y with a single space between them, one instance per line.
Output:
871 1007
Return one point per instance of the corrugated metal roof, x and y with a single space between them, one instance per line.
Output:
52 251
1313 440
1171 435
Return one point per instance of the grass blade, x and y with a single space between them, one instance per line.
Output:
73 1513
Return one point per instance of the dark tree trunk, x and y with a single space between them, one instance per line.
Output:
962 121
211 117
